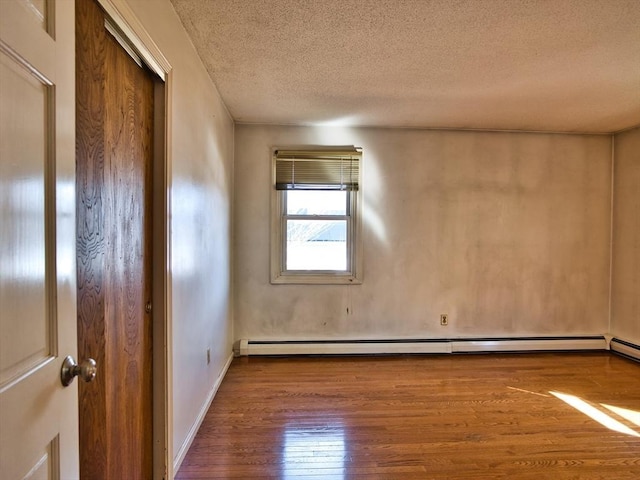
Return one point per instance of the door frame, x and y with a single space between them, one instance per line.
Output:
131 29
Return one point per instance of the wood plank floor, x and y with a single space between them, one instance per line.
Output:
422 417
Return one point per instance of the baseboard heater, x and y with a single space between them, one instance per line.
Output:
627 349
419 346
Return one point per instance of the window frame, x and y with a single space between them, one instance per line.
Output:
280 275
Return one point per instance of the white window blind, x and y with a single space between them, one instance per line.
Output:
318 170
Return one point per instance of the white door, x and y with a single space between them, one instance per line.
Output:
38 416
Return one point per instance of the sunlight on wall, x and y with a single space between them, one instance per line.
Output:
337 122
597 415
187 205
372 195
337 132
313 450
192 214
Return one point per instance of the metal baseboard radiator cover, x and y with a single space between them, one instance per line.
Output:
420 346
625 348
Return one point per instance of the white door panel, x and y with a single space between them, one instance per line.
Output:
25 336
38 417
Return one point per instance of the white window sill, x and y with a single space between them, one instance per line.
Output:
315 279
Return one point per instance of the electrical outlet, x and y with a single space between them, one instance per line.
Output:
208 356
444 319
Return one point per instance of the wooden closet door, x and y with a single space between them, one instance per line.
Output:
114 162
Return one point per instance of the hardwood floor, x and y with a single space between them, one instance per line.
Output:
422 417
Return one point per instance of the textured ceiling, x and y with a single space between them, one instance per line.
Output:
541 65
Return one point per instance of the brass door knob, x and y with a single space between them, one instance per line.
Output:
70 369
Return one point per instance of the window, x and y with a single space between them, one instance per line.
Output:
315 223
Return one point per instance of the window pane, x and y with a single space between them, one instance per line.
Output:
316 245
316 202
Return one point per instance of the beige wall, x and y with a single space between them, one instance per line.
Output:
201 165
508 233
625 282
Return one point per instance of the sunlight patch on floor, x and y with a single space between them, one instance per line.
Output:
630 415
312 450
528 391
594 413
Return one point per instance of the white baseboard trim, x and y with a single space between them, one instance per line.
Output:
625 348
412 346
182 452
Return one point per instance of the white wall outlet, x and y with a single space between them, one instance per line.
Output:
444 319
